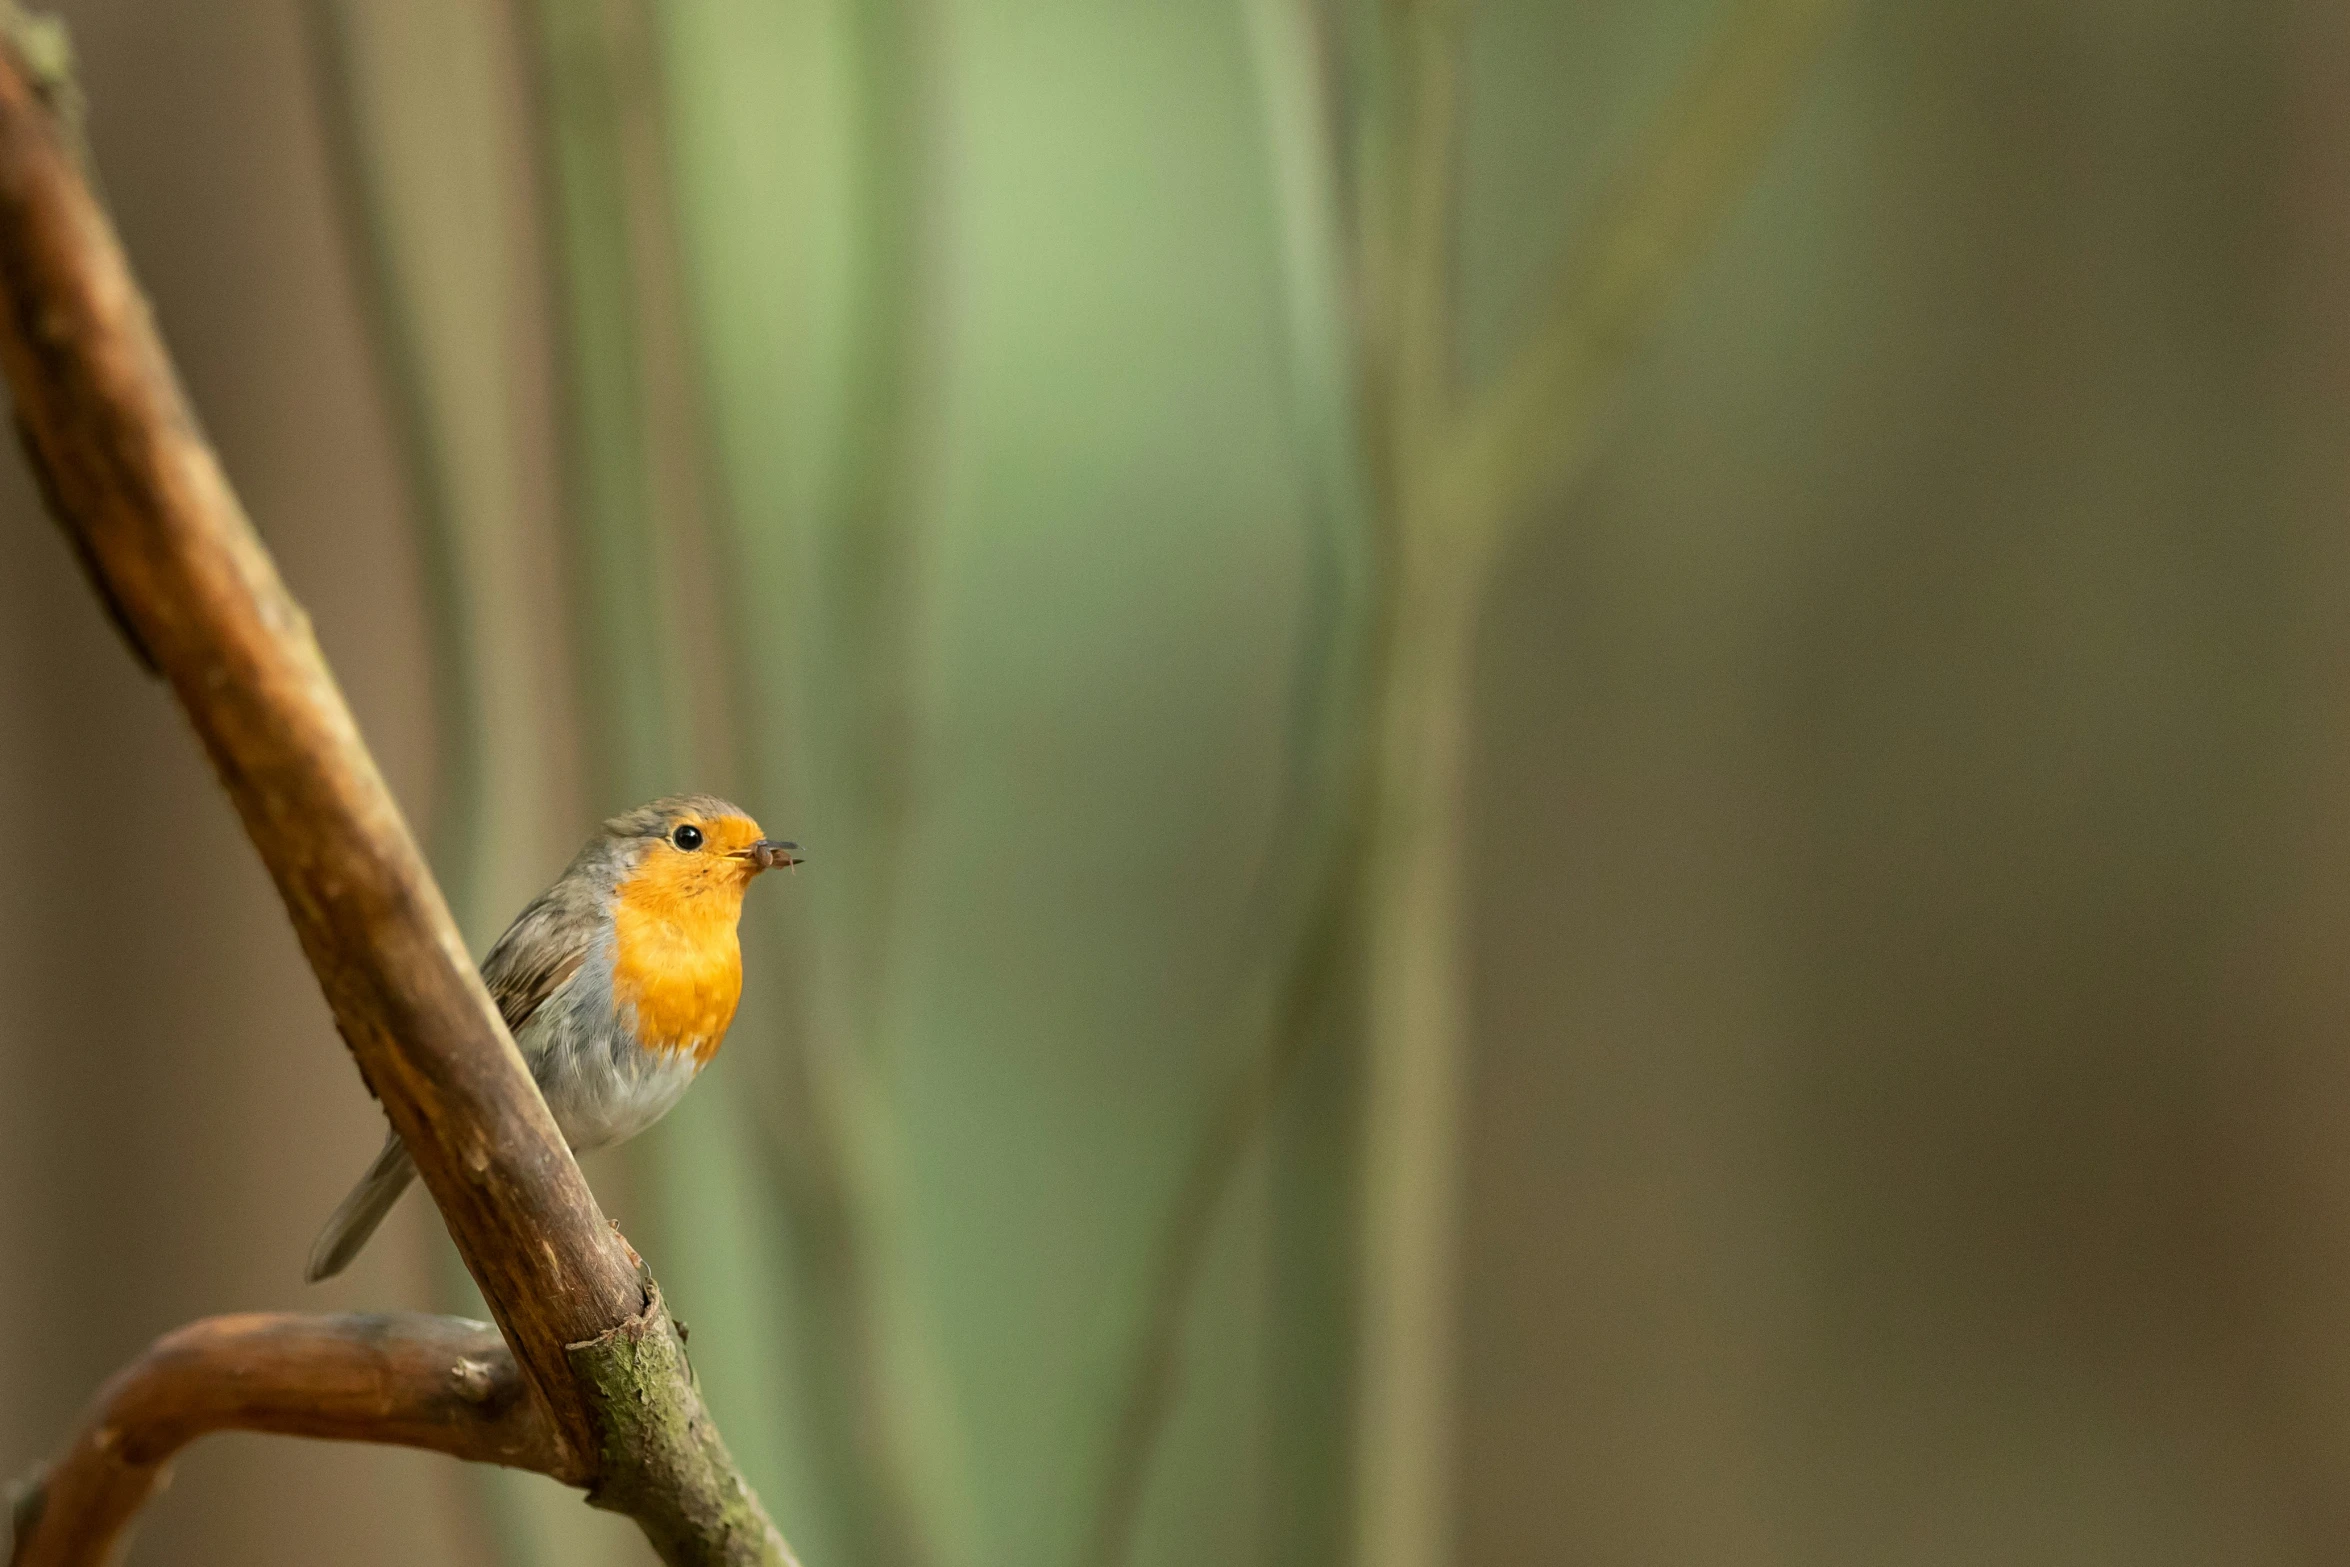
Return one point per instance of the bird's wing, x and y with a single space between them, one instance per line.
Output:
544 946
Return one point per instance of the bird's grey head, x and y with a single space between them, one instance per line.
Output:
697 831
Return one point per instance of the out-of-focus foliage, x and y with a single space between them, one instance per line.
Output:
1013 524
1050 461
1891 1097
934 487
1020 450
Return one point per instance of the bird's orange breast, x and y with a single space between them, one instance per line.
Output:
677 962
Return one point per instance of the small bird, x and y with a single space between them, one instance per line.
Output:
618 983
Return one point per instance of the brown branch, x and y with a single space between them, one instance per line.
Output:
131 476
440 1383
126 470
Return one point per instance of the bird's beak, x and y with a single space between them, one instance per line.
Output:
768 853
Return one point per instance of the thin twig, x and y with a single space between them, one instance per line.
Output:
1524 438
1432 34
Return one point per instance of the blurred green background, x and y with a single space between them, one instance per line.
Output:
1893 1102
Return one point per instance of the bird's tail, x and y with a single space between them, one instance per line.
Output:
362 1211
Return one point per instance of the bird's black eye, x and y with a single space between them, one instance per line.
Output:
687 836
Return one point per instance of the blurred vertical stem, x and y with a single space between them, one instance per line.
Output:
865 540
806 164
1293 945
1414 1035
1414 1049
1453 486
633 509
421 136
864 703
860 698
363 209
627 646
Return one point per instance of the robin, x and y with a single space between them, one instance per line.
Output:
618 983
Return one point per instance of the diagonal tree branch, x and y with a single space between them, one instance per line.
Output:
440 1383
128 473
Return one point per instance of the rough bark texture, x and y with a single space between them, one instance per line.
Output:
128 473
657 1446
433 1382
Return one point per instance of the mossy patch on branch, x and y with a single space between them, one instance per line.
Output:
661 1460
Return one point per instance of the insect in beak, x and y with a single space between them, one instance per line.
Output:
768 853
